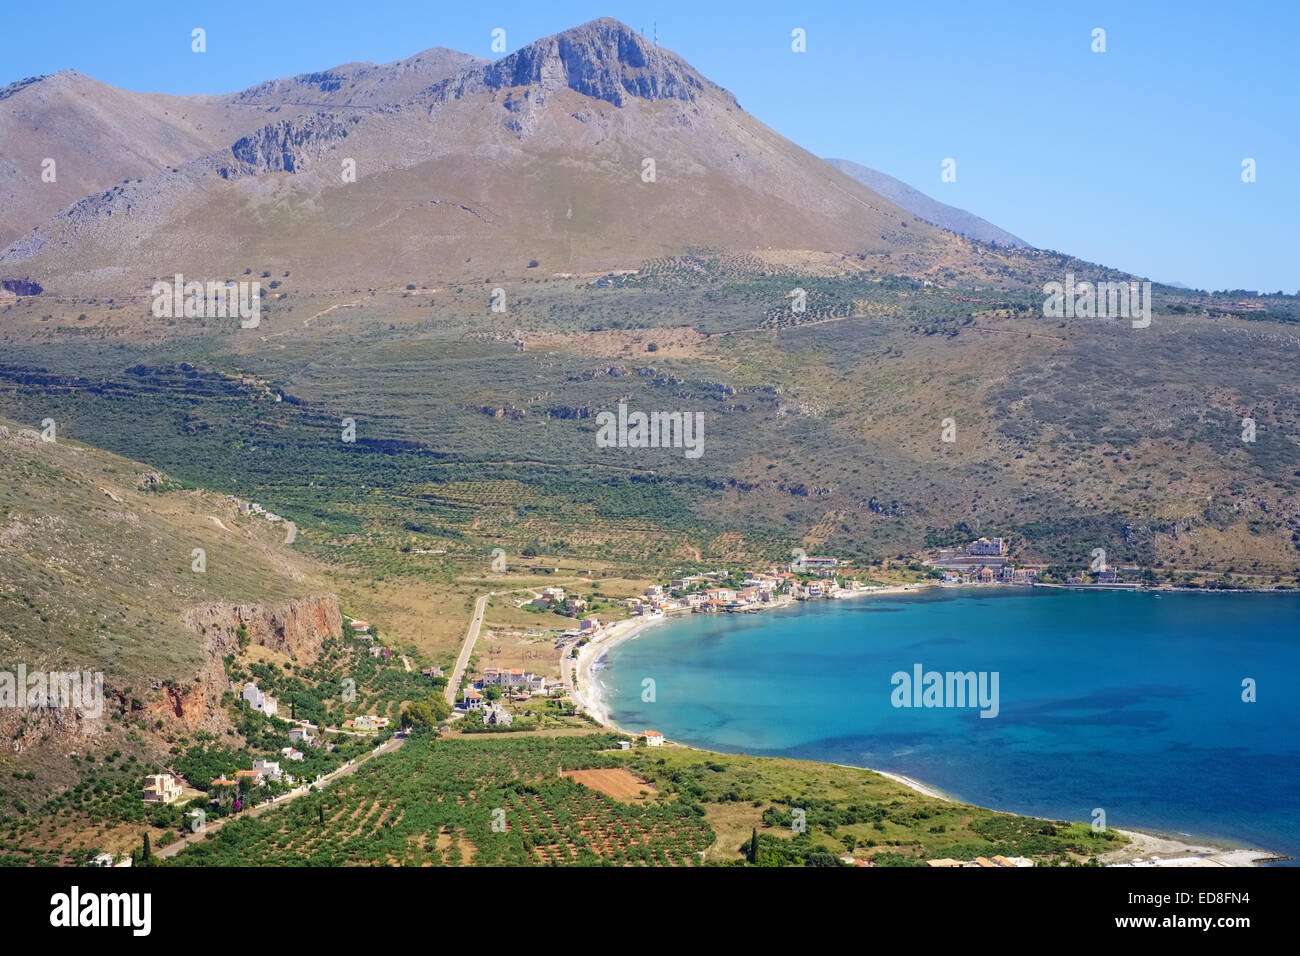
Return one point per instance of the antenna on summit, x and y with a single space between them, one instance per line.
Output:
656 24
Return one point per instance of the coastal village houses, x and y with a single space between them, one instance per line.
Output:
160 788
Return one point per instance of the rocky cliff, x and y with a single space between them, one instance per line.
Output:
297 629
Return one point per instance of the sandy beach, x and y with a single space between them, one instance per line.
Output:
587 691
1144 849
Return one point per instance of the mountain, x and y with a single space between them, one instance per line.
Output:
956 220
101 136
589 150
361 84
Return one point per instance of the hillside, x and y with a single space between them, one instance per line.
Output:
539 157
100 136
947 217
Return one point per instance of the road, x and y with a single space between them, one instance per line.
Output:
344 771
471 637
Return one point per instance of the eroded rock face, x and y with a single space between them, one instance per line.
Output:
297 629
603 59
286 146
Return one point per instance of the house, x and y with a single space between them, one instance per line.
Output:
289 753
653 738
254 777
380 651
574 605
432 672
654 592
1109 576
222 782
986 575
368 722
625 745
497 716
725 595
268 769
1006 574
361 627
259 701
822 566
302 735
553 594
951 577
160 788
987 546
473 700
589 625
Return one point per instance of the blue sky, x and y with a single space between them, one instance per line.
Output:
1130 158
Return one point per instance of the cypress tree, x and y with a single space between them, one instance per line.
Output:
753 847
146 854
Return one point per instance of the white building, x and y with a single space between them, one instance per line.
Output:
259 701
270 770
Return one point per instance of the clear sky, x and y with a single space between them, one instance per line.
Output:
1131 158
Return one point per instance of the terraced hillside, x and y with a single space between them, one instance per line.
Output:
475 430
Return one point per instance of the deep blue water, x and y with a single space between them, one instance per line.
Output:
1131 702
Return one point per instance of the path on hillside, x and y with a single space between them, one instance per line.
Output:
344 771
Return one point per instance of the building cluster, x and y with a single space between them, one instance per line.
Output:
703 594
1006 574
253 508
983 561
513 678
1107 577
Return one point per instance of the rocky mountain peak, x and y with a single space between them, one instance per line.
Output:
604 59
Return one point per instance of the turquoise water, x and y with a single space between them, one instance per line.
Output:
1131 702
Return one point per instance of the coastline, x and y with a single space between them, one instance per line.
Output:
1146 848
586 692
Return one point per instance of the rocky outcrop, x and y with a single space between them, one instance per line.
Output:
604 59
297 629
286 146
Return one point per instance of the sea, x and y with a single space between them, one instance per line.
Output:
1174 712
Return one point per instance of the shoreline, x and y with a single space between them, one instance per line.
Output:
1146 847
